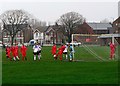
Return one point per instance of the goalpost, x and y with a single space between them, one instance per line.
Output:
89 40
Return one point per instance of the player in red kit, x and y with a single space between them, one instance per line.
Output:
54 49
60 52
13 52
8 50
23 52
112 51
63 48
16 52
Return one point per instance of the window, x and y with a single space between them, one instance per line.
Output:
5 34
36 35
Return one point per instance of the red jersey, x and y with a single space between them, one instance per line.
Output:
23 50
60 50
8 51
63 48
13 51
16 50
54 48
112 50
112 47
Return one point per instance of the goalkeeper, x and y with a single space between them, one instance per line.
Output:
71 52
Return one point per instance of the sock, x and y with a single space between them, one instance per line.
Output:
66 56
34 57
14 58
39 57
17 57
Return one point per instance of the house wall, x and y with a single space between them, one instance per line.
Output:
37 35
28 35
101 31
17 39
84 29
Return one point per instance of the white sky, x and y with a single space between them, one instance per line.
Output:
51 10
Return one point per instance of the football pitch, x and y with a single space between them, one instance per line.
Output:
87 69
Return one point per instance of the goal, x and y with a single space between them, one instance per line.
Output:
88 39
94 46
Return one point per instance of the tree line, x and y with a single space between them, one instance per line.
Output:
14 21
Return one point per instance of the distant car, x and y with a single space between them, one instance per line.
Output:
75 43
32 42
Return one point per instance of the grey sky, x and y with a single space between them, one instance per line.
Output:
51 11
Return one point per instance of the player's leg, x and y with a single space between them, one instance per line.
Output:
60 57
70 55
25 56
34 56
110 54
66 55
17 57
55 55
14 56
22 57
10 57
6 55
39 54
114 54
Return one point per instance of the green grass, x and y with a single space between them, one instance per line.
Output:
47 71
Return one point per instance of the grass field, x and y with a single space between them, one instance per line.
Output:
89 70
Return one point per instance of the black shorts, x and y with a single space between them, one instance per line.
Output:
38 52
35 53
64 52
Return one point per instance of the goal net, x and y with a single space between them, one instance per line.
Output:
93 47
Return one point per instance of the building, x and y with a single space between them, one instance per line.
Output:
119 9
101 28
19 37
6 38
84 29
27 34
38 34
53 34
116 27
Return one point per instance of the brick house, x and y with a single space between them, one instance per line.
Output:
84 29
116 27
7 39
21 36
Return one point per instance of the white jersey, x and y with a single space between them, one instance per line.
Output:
35 48
65 50
39 47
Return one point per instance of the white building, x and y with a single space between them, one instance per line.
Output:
38 34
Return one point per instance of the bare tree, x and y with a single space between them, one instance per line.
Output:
70 21
35 23
14 21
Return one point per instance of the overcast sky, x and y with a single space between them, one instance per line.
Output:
92 10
